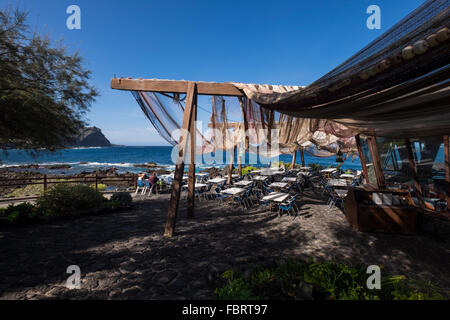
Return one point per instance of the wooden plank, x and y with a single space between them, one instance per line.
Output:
230 167
303 157
294 157
413 169
376 162
191 174
447 169
179 168
173 86
361 157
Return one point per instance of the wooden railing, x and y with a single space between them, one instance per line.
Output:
47 180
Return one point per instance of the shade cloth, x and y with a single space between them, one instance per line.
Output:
396 86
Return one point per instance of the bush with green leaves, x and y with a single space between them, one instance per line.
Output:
327 280
122 199
247 170
71 199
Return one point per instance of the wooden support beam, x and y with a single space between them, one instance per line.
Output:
303 158
173 86
294 157
413 169
447 169
239 162
230 167
179 168
361 158
376 162
191 174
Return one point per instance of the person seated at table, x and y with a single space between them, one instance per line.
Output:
142 176
153 179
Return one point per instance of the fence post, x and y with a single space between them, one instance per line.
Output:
45 183
96 182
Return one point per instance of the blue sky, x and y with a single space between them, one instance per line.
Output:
261 41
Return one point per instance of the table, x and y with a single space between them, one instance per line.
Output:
278 185
217 180
260 178
276 196
244 183
290 179
270 172
233 191
347 176
197 185
337 182
328 170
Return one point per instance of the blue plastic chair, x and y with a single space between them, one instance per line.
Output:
288 206
140 186
220 196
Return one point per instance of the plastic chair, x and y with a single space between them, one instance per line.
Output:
140 186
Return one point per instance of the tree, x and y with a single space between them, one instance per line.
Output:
44 91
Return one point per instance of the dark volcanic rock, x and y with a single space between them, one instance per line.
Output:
90 137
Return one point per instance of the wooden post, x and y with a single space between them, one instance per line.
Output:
230 167
447 169
96 182
361 158
239 162
294 157
179 168
45 183
303 158
191 174
413 169
376 162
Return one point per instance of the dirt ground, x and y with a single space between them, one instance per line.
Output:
125 256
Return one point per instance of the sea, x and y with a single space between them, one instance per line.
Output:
128 158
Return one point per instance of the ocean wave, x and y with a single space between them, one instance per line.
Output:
85 148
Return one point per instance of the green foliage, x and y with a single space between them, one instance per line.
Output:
122 199
62 201
329 280
29 190
44 91
247 170
234 289
65 199
100 186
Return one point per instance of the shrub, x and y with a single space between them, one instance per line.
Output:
122 199
100 186
71 199
326 280
247 170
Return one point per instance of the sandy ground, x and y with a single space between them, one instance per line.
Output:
125 256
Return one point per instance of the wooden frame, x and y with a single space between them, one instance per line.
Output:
413 168
179 168
191 174
361 158
172 86
376 162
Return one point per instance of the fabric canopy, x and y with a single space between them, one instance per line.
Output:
397 86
